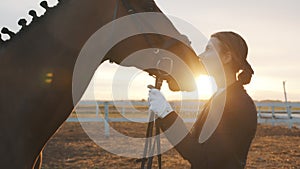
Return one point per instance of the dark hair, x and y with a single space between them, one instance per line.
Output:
239 51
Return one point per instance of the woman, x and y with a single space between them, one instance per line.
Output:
228 146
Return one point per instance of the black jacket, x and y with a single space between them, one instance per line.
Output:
228 146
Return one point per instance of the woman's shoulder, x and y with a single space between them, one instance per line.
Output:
240 98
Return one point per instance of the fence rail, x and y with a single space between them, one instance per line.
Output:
278 112
137 111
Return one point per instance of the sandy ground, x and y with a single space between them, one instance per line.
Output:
70 148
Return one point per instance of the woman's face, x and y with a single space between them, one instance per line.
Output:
213 58
214 49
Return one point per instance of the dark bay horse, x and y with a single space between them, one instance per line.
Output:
37 67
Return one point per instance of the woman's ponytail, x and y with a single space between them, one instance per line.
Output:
245 76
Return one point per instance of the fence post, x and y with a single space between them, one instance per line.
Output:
273 115
290 116
123 110
106 119
97 110
259 111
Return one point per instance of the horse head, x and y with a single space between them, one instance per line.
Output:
157 39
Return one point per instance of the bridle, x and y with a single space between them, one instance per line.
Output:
131 10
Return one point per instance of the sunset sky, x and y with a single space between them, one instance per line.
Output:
270 27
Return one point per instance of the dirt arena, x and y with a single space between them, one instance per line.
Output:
70 148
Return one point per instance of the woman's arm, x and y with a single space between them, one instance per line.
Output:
177 133
174 128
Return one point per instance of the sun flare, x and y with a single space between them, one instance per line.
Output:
205 86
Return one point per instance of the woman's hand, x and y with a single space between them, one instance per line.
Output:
158 103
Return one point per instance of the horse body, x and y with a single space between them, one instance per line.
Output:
36 73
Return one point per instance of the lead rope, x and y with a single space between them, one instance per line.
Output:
157 142
149 148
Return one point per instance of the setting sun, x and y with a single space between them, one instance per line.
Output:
206 86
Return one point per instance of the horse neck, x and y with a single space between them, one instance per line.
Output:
51 43
37 65
57 37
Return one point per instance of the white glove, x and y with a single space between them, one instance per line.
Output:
158 103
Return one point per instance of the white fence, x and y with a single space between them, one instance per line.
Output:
136 111
278 113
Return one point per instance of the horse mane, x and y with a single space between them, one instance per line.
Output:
35 20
